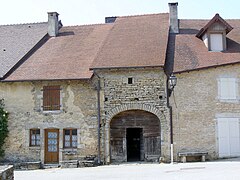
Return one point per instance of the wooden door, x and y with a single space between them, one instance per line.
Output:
51 146
228 137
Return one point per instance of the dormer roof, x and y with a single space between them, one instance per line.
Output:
216 18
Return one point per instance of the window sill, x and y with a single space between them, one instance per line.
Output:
69 149
52 112
229 100
34 147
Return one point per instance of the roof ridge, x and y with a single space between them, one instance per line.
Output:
140 15
80 25
23 24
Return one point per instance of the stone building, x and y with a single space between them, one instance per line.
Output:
204 56
87 90
101 89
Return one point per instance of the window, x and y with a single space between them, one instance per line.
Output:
216 42
51 98
34 137
70 138
130 80
227 88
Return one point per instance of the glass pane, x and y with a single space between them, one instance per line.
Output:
33 137
52 135
38 136
67 138
38 142
74 138
74 132
74 144
67 144
33 143
38 131
67 132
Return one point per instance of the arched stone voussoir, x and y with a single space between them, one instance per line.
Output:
133 106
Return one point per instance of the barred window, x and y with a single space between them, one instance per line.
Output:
51 98
34 137
70 138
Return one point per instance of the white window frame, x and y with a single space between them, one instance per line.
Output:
225 98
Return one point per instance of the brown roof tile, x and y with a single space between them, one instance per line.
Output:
135 41
67 56
16 41
190 53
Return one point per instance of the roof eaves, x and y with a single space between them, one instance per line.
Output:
125 67
206 67
28 80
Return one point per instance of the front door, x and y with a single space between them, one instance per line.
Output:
51 145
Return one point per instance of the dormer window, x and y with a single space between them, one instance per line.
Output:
214 34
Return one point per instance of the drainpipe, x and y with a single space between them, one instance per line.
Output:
98 117
171 124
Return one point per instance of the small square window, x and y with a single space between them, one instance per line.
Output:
34 137
130 80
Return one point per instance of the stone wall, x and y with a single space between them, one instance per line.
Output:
24 103
6 173
196 108
147 92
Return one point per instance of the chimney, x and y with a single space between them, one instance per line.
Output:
110 19
173 17
53 24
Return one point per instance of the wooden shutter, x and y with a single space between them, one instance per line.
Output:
51 98
216 42
228 88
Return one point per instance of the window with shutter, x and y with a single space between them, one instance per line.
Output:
228 89
51 98
216 42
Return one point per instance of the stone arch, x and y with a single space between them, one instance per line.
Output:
135 106
126 107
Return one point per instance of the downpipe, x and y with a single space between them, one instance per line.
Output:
171 124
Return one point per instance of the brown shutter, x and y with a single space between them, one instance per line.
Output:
51 98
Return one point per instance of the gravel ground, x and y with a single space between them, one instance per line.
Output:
218 170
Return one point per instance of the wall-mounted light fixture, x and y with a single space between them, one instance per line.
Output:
171 83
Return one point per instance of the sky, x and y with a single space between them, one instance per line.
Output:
79 12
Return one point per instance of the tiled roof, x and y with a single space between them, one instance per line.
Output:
132 41
135 41
67 56
190 53
16 40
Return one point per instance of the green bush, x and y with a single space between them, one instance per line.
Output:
3 126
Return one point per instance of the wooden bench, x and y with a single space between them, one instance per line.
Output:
184 155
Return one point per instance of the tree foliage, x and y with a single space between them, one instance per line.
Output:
3 126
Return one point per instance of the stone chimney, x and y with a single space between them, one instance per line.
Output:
53 24
173 17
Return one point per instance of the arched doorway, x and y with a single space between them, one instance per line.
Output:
135 136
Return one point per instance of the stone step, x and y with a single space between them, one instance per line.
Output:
49 166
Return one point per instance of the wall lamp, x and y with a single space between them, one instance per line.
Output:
172 82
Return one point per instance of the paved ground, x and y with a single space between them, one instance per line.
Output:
219 170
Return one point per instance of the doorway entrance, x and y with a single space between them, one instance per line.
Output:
134 144
51 146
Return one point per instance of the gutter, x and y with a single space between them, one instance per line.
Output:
98 117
